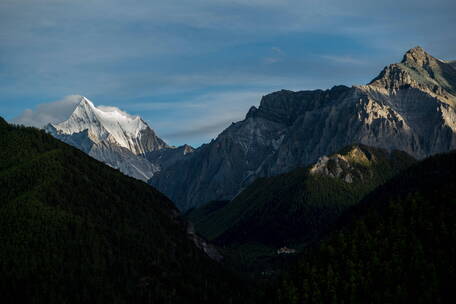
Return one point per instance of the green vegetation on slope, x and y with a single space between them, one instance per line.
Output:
73 230
294 209
396 246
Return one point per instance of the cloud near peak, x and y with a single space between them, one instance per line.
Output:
51 112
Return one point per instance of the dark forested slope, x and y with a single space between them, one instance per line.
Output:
295 208
73 230
396 246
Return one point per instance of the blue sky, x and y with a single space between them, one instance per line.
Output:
190 68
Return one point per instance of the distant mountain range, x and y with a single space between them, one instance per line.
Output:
409 106
116 138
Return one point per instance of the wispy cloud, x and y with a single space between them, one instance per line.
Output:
162 105
276 56
193 121
344 59
50 112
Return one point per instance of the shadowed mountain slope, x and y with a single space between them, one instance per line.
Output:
73 230
296 208
396 246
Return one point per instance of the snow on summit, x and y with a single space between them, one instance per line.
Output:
112 125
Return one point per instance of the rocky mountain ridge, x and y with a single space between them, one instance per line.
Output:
345 165
409 106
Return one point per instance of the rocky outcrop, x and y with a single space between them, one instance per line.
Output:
355 163
410 106
340 166
209 249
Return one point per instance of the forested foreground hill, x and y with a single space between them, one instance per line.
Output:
397 246
73 230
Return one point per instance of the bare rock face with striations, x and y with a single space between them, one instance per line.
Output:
410 106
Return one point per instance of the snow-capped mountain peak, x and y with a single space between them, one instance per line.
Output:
112 125
112 136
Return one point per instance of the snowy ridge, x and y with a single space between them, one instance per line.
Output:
112 136
105 123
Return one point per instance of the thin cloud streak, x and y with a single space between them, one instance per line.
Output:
344 59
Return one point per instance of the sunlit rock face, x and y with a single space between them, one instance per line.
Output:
410 106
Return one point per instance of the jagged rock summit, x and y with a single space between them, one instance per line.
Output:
421 70
409 106
111 136
344 165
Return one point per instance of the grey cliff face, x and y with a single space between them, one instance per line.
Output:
217 169
147 141
168 156
410 106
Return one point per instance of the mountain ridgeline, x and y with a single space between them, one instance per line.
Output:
123 141
410 106
296 208
320 196
74 230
